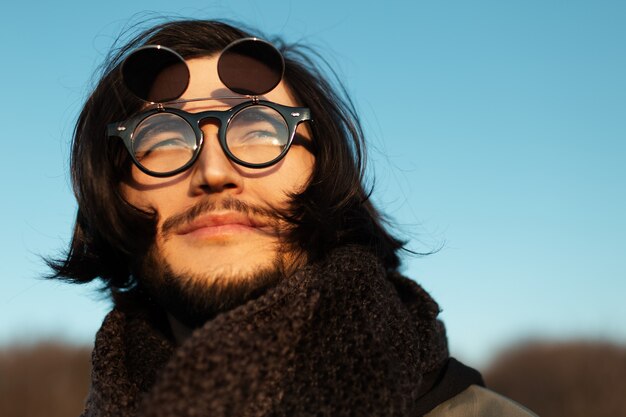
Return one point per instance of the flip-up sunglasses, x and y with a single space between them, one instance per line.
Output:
165 140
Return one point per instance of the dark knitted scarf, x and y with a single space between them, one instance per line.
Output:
339 338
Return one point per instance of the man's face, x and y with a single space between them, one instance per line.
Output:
216 222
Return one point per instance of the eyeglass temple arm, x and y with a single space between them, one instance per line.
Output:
118 130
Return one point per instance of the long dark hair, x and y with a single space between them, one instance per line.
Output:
333 210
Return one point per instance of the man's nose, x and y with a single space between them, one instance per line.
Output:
213 171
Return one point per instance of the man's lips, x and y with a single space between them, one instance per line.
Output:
218 223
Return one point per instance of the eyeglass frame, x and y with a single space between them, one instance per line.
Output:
292 116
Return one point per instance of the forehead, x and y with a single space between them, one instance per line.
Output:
204 82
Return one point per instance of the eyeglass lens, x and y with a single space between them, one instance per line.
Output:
257 134
153 64
165 142
250 66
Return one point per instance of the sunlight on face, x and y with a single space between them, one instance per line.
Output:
215 219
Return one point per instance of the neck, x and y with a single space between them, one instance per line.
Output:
180 331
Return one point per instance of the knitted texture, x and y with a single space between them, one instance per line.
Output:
339 338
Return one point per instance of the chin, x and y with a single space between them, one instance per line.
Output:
224 270
222 260
197 285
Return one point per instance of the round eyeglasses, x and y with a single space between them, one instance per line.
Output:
166 141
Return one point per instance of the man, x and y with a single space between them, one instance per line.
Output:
220 201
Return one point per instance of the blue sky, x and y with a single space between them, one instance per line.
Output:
497 129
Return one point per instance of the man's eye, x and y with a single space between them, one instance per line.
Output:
257 126
159 144
169 143
260 137
256 133
159 140
162 132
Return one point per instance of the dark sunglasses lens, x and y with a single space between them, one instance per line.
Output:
250 66
257 135
164 142
155 73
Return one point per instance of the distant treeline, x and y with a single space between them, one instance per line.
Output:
554 380
573 379
44 380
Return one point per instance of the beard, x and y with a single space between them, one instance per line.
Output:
193 298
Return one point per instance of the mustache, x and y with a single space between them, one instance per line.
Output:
206 206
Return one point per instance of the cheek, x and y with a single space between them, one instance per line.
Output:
304 169
132 195
153 200
150 193
294 174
